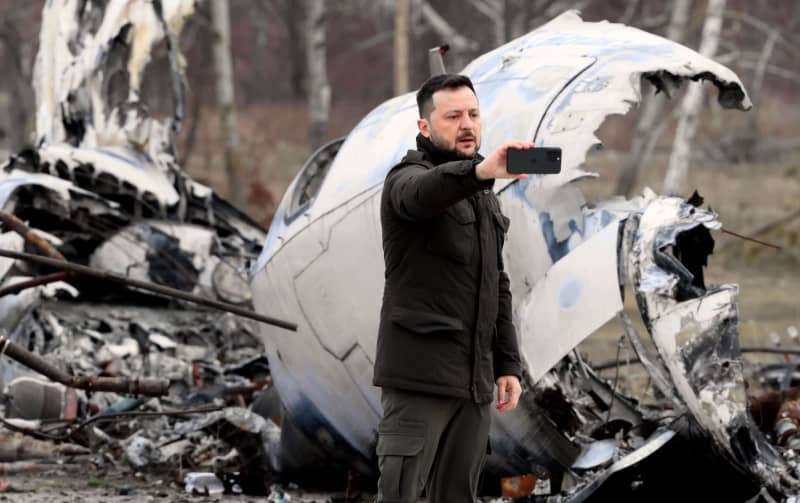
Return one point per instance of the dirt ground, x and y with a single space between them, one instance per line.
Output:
77 484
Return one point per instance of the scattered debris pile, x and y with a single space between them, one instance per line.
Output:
136 379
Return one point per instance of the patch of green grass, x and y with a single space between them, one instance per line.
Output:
94 483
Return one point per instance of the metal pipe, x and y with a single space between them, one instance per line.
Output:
37 281
144 285
15 224
763 349
147 387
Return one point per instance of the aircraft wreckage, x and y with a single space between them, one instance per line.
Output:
102 188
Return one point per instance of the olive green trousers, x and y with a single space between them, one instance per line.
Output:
429 441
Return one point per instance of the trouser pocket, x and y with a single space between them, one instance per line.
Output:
399 460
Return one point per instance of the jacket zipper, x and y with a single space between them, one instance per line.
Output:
474 380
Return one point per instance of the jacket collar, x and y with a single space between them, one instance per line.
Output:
438 156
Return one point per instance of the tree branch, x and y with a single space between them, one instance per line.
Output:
444 29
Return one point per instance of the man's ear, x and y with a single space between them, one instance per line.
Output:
424 127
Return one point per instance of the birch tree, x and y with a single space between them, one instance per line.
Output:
292 12
690 107
223 70
319 91
18 51
651 110
401 47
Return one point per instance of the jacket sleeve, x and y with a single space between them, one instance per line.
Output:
417 192
506 357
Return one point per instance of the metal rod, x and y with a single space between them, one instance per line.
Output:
744 349
144 285
147 387
15 288
754 240
763 349
615 364
15 224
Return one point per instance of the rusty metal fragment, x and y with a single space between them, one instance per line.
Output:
18 226
517 487
17 467
19 448
145 386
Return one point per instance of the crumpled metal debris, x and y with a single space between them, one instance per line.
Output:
203 483
787 426
102 188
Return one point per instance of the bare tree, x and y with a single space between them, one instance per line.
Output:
460 45
687 124
652 109
220 15
401 47
292 17
495 10
319 92
518 15
18 49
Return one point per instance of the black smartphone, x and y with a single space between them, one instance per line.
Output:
536 160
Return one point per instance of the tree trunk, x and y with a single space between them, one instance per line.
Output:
517 16
225 101
495 10
293 15
401 47
651 110
687 124
319 92
763 61
21 103
460 46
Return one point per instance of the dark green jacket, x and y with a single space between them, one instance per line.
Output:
445 324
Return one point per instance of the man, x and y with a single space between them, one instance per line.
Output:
445 335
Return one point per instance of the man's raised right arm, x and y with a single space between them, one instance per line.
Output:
418 193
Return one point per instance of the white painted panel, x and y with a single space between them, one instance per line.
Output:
576 297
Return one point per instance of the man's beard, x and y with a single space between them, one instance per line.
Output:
453 153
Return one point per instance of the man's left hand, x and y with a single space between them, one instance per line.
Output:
508 392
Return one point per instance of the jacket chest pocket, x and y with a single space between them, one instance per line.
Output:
453 235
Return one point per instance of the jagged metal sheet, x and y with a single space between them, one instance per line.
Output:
698 341
577 296
83 44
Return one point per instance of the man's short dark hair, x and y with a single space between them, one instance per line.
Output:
437 83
